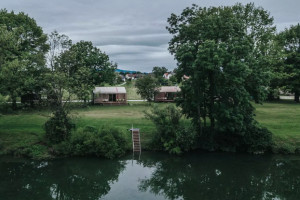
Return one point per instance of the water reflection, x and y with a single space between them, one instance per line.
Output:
223 176
61 180
154 176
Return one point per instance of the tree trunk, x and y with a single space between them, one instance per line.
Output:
14 103
211 101
297 96
199 119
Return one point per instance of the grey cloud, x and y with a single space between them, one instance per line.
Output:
131 32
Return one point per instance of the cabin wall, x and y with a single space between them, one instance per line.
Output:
165 96
105 98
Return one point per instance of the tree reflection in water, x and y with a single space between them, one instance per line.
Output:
223 176
190 177
62 180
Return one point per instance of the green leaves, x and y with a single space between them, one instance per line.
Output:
147 87
171 134
225 51
290 42
86 66
22 54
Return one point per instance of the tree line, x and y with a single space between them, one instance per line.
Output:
32 62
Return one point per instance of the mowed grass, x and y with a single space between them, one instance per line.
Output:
26 128
282 119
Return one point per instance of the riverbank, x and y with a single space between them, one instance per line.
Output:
22 132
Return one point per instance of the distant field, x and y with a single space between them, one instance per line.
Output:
282 118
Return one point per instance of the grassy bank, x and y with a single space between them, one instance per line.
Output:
21 131
283 120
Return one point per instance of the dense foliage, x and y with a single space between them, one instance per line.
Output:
58 127
108 142
225 53
147 87
290 43
158 73
87 67
170 134
22 55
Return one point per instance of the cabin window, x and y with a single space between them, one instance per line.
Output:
112 97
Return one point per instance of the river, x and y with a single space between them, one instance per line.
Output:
158 176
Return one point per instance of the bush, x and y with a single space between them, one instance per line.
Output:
170 134
58 128
284 148
108 142
254 139
257 139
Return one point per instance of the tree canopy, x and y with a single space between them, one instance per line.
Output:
87 67
290 42
225 52
147 87
23 48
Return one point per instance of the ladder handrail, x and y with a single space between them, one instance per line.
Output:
140 142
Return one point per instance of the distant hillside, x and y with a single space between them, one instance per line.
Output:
128 71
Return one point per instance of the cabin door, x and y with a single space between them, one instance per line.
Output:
170 96
113 97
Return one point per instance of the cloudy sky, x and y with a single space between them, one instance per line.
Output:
131 32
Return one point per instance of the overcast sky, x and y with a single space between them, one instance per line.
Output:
131 32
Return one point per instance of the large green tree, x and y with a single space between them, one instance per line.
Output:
86 67
24 44
290 41
225 52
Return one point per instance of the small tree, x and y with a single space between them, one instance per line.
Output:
170 135
147 87
58 127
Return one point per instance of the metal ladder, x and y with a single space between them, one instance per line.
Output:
136 140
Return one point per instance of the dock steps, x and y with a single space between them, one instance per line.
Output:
136 140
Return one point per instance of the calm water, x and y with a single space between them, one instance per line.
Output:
153 176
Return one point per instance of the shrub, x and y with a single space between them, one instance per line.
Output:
113 142
284 148
257 139
38 152
170 134
107 142
58 128
254 139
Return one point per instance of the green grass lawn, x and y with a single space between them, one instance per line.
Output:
131 91
26 128
283 120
